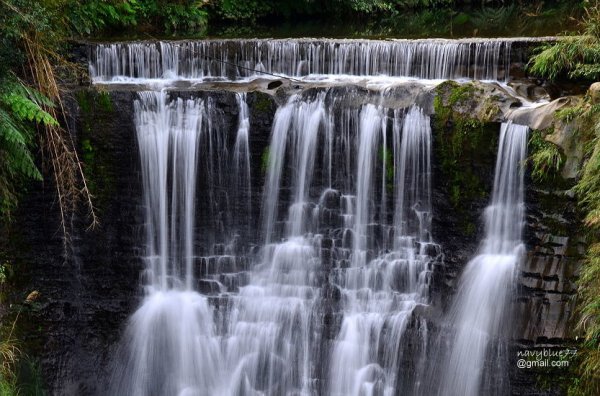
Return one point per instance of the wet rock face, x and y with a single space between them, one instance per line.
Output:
88 296
463 174
547 280
544 313
486 102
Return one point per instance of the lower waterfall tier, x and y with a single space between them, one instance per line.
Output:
307 274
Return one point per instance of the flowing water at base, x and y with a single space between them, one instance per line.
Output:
262 332
324 289
480 306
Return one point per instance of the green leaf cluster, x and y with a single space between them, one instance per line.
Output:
21 109
261 9
88 17
588 194
546 159
93 16
572 57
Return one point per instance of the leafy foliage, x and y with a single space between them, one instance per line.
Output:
180 17
19 374
402 18
34 33
546 159
588 186
572 56
96 15
588 193
103 15
20 110
370 6
9 356
242 9
579 57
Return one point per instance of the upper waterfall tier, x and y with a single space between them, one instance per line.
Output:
232 60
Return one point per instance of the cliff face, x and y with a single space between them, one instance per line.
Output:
88 294
89 288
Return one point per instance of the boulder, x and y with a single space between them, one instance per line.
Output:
594 92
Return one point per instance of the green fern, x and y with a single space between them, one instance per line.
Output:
15 141
27 110
574 57
546 159
21 109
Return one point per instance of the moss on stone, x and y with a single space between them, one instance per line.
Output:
263 102
490 109
460 93
265 158
462 144
460 150
450 96
385 155
91 100
104 101
442 113
83 99
95 106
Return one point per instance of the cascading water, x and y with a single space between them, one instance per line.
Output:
486 285
169 344
265 338
270 330
241 59
326 295
241 164
380 293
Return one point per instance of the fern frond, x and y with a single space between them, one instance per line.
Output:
18 87
11 130
20 162
28 110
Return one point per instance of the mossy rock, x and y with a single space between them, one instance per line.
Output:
96 107
263 103
92 100
473 100
465 144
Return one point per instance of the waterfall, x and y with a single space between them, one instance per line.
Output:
242 59
318 284
370 130
488 281
298 121
381 293
271 324
241 164
168 140
170 345
265 336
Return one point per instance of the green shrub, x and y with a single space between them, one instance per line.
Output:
574 57
98 16
545 158
20 111
588 193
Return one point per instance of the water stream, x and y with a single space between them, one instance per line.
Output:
321 290
483 59
479 310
